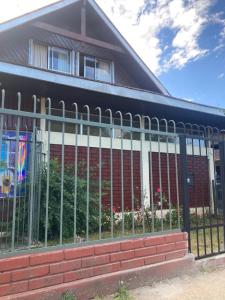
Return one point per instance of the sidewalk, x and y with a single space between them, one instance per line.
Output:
202 286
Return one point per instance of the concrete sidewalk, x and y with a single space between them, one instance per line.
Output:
202 286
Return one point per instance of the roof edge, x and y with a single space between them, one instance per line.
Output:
30 16
128 47
101 87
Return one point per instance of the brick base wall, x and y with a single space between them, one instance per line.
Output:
37 275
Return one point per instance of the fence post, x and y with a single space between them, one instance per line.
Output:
145 166
222 180
184 182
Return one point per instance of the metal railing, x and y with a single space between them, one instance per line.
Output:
83 185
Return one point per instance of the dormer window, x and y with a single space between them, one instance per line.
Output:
103 70
59 60
96 69
39 55
89 67
52 58
66 61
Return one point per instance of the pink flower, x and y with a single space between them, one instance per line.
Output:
158 190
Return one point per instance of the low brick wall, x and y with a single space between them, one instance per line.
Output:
48 275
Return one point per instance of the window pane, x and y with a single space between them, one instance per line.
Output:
103 71
60 60
89 67
40 56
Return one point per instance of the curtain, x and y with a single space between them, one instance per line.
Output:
61 61
40 56
103 72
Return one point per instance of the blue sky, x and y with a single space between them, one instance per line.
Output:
182 41
203 79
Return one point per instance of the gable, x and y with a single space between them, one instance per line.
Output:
67 16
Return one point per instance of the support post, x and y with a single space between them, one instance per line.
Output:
222 180
145 167
83 19
43 125
211 179
184 181
43 111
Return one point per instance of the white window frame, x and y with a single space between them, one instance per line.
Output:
77 63
74 67
85 59
95 59
31 47
62 50
112 72
73 62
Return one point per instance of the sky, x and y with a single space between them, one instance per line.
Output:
181 41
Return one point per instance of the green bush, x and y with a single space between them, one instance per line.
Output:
68 296
122 294
68 202
54 205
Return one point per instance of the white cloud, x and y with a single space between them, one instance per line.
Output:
220 76
13 8
185 20
189 99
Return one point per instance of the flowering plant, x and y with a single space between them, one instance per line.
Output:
162 201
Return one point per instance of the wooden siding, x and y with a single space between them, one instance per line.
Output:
14 48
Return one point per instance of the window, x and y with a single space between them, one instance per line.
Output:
103 71
39 56
95 69
69 62
52 58
89 69
59 60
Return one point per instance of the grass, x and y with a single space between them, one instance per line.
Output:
203 244
203 241
122 294
68 296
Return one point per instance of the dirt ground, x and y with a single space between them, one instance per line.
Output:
208 285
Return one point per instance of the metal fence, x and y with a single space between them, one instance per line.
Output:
204 212
72 175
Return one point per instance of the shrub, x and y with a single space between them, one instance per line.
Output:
68 202
122 294
68 296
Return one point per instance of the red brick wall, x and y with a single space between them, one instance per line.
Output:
56 151
198 169
36 271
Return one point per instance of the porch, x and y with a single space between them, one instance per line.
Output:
75 176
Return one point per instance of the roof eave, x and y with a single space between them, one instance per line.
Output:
128 47
105 88
18 21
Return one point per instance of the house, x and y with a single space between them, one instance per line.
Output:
128 156
71 51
